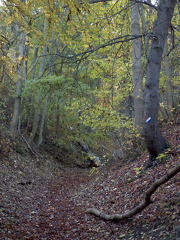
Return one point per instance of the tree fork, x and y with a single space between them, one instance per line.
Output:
147 200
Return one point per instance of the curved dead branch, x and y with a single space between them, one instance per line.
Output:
141 206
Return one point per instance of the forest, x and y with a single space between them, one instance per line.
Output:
90 119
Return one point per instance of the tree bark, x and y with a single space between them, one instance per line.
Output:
153 138
21 78
41 128
137 69
168 82
147 200
41 71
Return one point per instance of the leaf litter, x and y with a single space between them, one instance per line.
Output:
39 200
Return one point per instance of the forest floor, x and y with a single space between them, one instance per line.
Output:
41 199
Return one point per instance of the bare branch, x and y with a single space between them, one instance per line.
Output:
97 1
29 147
147 200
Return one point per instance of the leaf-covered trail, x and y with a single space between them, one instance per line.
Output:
50 203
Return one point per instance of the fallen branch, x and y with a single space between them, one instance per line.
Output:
147 200
29 147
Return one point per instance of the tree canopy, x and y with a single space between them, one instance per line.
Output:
69 66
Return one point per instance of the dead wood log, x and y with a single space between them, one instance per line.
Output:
141 206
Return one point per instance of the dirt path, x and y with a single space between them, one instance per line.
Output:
39 200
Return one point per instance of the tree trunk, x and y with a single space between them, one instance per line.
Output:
162 108
57 134
154 140
41 71
168 81
43 117
40 139
145 26
35 120
21 78
137 69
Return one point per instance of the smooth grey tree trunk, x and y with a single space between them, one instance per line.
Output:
167 70
57 136
41 128
41 71
156 143
166 99
43 117
21 78
137 69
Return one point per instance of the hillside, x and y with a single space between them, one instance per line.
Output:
41 199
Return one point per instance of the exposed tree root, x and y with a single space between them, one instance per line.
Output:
143 205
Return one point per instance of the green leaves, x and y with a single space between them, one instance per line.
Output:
86 72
